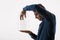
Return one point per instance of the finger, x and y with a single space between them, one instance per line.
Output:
20 17
25 15
19 30
23 30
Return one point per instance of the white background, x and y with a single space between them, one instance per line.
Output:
10 23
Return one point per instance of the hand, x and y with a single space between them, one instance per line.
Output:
23 13
26 31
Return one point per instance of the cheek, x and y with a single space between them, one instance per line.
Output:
38 16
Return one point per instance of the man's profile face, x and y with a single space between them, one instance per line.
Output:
38 16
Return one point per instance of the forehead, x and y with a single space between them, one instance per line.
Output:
36 13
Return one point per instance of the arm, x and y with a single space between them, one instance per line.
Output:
30 33
43 12
29 7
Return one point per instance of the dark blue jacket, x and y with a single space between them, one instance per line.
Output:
46 29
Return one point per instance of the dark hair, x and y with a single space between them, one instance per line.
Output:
41 6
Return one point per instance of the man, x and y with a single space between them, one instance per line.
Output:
46 29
